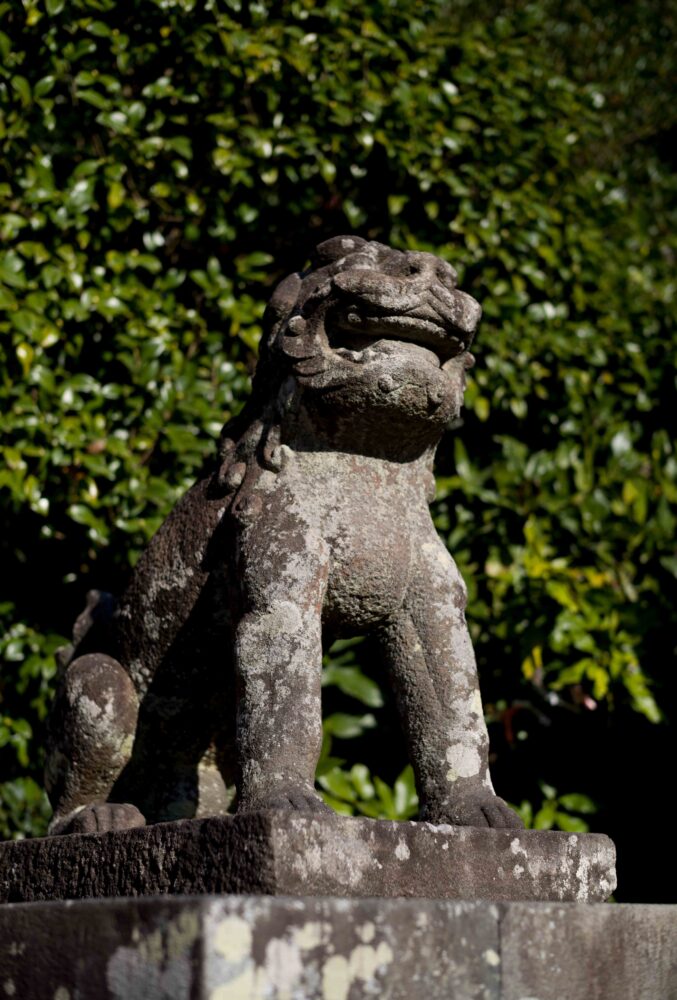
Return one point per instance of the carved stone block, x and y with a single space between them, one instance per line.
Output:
281 853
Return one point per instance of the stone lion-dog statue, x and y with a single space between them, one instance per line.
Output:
199 690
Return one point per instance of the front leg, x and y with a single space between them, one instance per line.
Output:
278 656
432 664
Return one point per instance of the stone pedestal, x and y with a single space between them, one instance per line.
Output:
308 944
264 948
293 855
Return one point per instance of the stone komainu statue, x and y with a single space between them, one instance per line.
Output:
199 689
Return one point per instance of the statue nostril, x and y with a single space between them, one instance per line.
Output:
420 263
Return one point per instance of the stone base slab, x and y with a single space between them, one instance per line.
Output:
256 947
289 854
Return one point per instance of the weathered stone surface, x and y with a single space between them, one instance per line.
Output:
553 952
312 521
279 853
261 948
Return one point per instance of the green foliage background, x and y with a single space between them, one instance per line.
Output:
164 163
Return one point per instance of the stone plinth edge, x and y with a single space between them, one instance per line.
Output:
251 947
294 855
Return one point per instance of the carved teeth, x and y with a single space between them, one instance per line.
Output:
358 356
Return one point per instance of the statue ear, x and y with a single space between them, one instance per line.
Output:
280 305
284 297
335 248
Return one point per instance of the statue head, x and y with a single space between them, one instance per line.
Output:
365 351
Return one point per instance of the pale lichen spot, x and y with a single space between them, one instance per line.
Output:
283 965
464 761
491 957
402 851
365 960
475 703
516 847
233 939
244 985
366 933
335 978
310 935
9 987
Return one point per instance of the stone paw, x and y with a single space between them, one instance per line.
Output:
482 808
99 818
293 799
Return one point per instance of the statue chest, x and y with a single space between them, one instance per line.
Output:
367 516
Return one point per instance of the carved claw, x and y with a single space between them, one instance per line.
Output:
481 809
292 799
99 818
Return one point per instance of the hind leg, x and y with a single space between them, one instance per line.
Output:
92 730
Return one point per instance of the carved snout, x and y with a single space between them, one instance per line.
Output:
403 300
381 292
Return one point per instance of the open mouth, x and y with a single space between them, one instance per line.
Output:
416 329
362 347
359 331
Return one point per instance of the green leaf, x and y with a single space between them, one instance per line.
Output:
346 726
572 824
545 817
7 299
22 87
353 682
339 785
11 270
94 98
361 779
575 802
44 86
405 796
